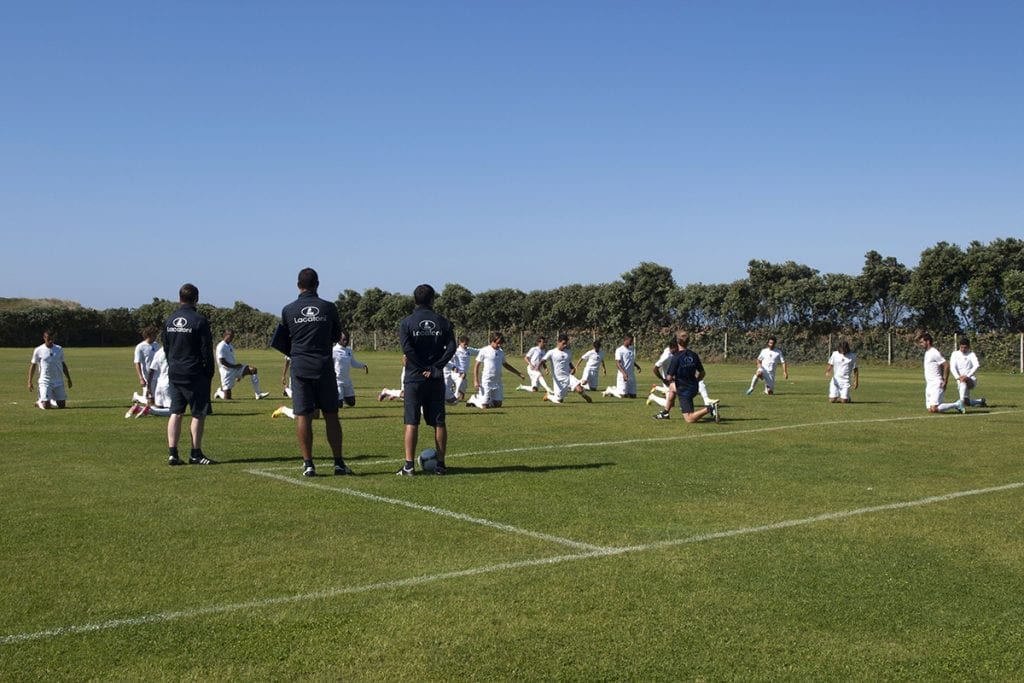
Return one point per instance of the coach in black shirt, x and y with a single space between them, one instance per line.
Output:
428 342
188 344
313 326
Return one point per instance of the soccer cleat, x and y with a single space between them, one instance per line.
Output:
715 412
381 396
309 471
452 401
201 460
750 391
40 405
142 411
959 405
663 415
405 471
131 411
982 403
262 395
650 398
174 461
278 412
440 468
342 470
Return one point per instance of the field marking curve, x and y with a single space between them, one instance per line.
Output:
414 581
579 545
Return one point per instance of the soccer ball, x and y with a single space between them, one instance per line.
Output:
428 460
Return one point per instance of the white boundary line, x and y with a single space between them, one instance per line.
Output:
681 437
427 508
161 617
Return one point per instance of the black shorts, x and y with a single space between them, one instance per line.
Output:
685 400
425 397
193 392
308 395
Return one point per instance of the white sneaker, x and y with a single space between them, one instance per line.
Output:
131 411
218 394
262 395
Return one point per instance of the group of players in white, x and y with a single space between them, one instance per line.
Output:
841 371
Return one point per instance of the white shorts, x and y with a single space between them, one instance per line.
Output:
626 386
535 377
230 376
346 390
839 389
933 392
57 392
162 395
590 381
769 378
492 392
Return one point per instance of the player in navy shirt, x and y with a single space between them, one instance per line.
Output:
685 371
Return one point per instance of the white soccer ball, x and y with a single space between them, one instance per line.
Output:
428 460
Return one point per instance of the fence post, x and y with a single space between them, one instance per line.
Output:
726 350
888 335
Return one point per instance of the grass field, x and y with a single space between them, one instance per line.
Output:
796 540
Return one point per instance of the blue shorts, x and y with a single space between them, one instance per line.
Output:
193 392
685 400
308 395
425 397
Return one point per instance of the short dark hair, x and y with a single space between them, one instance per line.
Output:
308 279
844 347
150 331
497 336
924 336
563 337
964 341
463 339
188 294
424 295
673 343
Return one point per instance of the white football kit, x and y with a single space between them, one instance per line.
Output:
50 360
344 361
842 373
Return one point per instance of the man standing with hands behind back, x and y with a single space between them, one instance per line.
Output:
428 342
313 327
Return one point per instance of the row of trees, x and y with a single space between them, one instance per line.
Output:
979 289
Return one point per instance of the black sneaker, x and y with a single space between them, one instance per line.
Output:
663 415
201 460
439 468
405 472
173 461
342 470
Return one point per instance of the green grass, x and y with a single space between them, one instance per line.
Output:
584 541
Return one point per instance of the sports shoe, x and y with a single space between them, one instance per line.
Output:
544 397
452 401
309 471
960 407
715 412
142 411
131 411
749 391
40 405
201 460
278 412
342 470
982 403
663 415
440 468
607 392
650 398
381 396
173 461
405 472
218 394
262 394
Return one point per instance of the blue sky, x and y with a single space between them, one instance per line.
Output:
527 145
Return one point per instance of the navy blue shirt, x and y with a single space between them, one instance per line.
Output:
188 344
428 342
313 325
687 369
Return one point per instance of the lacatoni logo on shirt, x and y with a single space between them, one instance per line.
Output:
179 325
427 328
311 314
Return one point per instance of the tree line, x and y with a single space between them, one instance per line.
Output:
978 290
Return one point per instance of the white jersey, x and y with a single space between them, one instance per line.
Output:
144 353
842 365
491 361
933 361
560 365
460 361
592 360
50 360
663 361
225 352
344 361
961 364
534 357
626 357
161 393
769 358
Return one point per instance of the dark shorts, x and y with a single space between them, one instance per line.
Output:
310 394
426 398
193 393
685 400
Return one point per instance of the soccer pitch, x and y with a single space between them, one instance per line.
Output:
796 540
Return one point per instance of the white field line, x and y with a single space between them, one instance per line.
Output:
427 508
161 617
681 437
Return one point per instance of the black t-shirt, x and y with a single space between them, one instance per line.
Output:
428 342
313 326
188 344
684 366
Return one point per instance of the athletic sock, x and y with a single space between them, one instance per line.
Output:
255 383
172 451
196 453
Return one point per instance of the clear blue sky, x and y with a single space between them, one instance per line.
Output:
527 144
